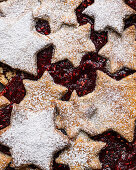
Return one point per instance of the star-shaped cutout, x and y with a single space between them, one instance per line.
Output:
115 105
82 154
20 43
58 12
72 43
109 13
120 50
39 94
72 116
32 138
4 160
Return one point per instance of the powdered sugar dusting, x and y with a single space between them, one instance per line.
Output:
72 43
72 116
82 154
121 50
13 9
58 12
115 105
39 94
20 43
33 138
109 13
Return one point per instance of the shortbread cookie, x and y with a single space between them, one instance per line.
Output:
72 116
109 14
58 12
4 161
20 43
120 50
32 137
39 94
82 154
72 43
13 9
114 105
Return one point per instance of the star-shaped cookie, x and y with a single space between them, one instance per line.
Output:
13 9
114 105
4 161
72 43
20 43
32 138
82 154
58 12
39 94
109 13
120 50
72 116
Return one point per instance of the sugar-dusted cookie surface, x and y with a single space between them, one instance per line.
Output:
72 43
58 12
40 93
13 9
72 116
114 104
20 43
120 50
82 154
32 138
109 13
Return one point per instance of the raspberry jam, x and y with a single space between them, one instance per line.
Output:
118 153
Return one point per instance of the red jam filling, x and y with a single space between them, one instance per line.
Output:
118 153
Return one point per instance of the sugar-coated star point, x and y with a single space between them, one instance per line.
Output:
13 9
